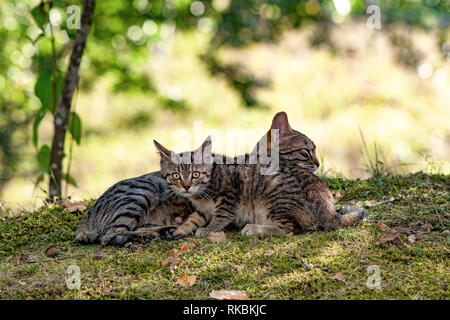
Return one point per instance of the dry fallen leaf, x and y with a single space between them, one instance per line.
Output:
75 206
339 276
382 226
24 258
51 251
174 259
186 280
445 233
229 295
184 248
412 239
217 236
391 235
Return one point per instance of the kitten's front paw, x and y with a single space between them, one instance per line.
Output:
251 230
202 232
179 232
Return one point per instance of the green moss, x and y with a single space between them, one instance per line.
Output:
295 267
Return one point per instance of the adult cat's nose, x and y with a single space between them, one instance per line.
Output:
316 162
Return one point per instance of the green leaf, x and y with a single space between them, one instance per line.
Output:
43 158
70 180
75 127
40 115
59 85
40 14
43 90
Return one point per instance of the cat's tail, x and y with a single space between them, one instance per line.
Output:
84 233
351 215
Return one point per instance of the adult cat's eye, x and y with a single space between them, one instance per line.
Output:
195 174
176 175
304 153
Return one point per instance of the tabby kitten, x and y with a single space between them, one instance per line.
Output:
136 209
288 202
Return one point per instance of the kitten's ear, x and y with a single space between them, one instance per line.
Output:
206 145
203 154
280 121
164 152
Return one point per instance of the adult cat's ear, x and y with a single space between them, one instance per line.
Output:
203 155
164 152
280 122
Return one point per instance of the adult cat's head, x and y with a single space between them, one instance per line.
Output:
293 145
188 173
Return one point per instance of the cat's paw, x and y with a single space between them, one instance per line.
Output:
178 232
202 232
251 230
167 233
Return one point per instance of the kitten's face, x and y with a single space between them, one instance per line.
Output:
187 173
293 145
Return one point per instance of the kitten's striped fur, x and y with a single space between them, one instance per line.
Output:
135 209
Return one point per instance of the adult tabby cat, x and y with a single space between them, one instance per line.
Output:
288 202
140 208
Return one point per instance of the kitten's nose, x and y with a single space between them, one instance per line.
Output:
186 187
179 220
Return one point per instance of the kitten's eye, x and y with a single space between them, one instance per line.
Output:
195 174
176 175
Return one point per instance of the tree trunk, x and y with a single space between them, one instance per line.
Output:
63 111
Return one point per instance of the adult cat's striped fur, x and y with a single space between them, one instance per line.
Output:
288 202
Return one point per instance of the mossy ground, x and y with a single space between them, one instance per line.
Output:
295 267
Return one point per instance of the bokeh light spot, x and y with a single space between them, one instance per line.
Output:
425 70
343 7
197 8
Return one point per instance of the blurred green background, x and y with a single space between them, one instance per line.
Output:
375 101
